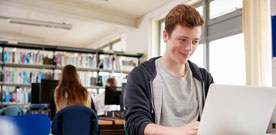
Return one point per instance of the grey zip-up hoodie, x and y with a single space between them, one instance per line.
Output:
143 98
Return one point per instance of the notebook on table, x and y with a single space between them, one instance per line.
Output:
237 110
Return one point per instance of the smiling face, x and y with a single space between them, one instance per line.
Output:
182 43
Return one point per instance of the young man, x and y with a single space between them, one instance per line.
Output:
166 95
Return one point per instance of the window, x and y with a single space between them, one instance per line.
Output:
113 46
162 47
116 46
197 57
107 48
200 10
222 7
227 60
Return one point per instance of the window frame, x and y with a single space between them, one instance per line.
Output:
110 44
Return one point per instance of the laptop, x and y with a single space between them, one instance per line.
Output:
237 110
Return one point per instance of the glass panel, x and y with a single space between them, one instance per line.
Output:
222 7
197 57
116 46
162 46
227 60
200 10
106 48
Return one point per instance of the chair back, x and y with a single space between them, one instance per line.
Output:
11 110
36 124
37 109
76 119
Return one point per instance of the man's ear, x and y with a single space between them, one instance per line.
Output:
165 36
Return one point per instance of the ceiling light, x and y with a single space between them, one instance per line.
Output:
40 23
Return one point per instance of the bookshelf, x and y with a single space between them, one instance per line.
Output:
25 63
15 84
7 64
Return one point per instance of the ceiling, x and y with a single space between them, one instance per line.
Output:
90 19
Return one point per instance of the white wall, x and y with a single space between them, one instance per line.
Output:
273 7
274 72
139 40
273 12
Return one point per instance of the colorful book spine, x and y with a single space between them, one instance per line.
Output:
77 59
23 76
16 95
24 56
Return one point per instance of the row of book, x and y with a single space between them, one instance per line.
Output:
29 56
85 77
23 76
28 76
16 95
25 56
76 59
83 60
112 62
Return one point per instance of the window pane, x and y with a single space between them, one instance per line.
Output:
106 48
197 57
162 43
200 10
227 60
221 7
116 46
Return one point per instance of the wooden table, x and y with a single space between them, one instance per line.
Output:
111 126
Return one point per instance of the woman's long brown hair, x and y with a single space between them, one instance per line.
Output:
70 83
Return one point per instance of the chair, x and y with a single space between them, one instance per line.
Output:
11 110
125 129
75 120
37 109
25 125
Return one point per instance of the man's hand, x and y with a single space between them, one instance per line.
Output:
189 129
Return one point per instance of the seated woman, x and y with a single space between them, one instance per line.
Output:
70 91
100 99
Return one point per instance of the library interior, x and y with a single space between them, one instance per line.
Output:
110 46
